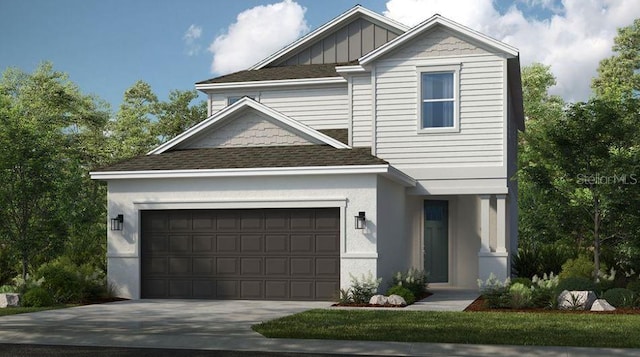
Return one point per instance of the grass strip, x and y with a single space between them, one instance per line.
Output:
539 329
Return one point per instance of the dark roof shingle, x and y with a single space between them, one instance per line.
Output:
248 157
342 135
279 73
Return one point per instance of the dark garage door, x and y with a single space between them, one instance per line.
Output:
279 254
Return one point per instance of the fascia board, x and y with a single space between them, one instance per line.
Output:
271 83
428 24
322 30
257 172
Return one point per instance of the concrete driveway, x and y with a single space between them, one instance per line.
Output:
151 323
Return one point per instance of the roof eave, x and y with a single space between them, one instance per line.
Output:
430 23
271 83
319 32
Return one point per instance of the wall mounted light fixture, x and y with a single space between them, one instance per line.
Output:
117 222
360 220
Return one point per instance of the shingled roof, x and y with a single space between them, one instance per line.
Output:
248 157
279 73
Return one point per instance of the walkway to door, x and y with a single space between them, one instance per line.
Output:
446 299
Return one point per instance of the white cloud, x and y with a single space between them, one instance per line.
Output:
572 41
190 39
257 33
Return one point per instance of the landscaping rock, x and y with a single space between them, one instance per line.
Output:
576 300
396 300
602 305
378 300
9 300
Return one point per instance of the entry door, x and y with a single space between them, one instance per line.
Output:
436 240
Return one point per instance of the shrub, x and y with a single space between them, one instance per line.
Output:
619 297
414 279
364 288
8 289
406 294
543 291
495 292
36 297
519 296
635 287
524 281
582 266
61 280
575 283
538 259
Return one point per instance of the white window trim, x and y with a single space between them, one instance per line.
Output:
449 68
253 96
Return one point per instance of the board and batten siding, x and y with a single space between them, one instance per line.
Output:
361 102
480 139
323 107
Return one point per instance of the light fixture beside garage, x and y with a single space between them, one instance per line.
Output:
117 222
360 220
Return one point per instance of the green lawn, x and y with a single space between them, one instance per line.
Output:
541 329
21 310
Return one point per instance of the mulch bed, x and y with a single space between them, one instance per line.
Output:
101 300
479 305
423 296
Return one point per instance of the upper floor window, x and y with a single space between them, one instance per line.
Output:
439 99
233 99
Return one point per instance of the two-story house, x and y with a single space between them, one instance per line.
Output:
363 147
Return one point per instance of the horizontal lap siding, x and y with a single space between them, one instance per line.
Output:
325 108
480 140
361 97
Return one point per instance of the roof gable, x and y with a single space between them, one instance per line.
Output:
356 22
205 133
457 30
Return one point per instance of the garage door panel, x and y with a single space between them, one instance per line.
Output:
301 243
180 288
251 289
302 220
226 266
227 243
204 220
302 289
276 243
251 243
302 267
203 266
327 267
155 243
327 243
278 254
180 244
204 289
326 290
227 289
180 221
204 244
154 288
277 266
251 266
277 289
178 266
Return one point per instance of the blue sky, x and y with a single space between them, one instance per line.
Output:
105 46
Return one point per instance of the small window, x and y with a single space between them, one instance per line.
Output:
233 99
438 100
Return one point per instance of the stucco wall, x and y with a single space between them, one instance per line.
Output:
352 193
393 245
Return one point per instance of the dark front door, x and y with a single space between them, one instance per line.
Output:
273 254
436 240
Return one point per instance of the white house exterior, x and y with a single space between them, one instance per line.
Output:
415 127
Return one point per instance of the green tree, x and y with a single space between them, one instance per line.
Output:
178 114
132 133
619 75
38 112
